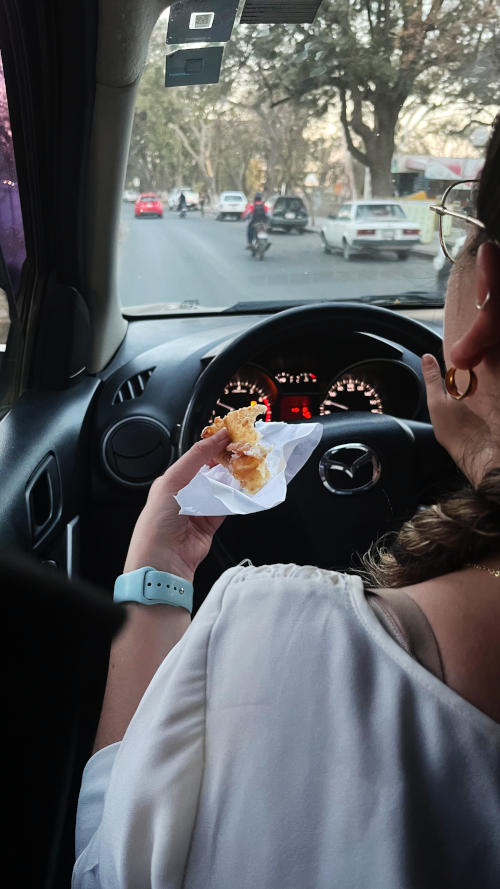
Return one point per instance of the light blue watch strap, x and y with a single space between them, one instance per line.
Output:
151 587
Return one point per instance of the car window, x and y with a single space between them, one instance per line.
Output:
13 251
233 197
380 211
344 212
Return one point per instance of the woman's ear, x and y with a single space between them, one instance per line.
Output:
484 335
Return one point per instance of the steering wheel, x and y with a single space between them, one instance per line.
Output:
368 473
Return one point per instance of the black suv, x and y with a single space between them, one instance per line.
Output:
288 213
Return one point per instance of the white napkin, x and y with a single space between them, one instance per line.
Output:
216 492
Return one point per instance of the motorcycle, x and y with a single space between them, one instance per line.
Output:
260 241
183 212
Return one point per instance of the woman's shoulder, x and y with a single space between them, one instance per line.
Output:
281 597
285 578
463 609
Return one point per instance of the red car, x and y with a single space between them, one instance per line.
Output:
148 204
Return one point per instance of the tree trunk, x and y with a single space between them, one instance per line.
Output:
349 172
381 148
380 173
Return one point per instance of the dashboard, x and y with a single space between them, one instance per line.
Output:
321 372
135 416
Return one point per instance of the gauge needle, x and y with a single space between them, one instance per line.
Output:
227 406
342 407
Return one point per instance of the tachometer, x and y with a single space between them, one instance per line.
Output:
351 393
243 390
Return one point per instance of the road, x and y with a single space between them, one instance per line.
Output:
173 259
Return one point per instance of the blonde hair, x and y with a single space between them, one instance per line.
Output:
465 527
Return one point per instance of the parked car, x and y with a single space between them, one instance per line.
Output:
148 204
231 204
130 195
192 198
369 227
288 213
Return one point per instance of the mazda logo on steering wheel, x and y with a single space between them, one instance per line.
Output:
349 469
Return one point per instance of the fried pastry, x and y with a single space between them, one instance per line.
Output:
244 456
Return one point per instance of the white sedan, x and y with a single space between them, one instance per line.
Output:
192 198
230 204
368 227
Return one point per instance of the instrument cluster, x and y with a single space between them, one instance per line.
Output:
381 386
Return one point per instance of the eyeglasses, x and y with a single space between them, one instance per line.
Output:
453 225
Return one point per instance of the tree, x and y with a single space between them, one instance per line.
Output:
188 135
371 56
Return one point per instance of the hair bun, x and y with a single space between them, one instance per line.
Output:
464 527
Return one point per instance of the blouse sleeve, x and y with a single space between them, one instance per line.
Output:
139 797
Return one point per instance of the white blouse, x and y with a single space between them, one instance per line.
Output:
288 742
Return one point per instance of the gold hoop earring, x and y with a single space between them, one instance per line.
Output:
451 386
486 299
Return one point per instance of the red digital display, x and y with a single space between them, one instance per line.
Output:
295 407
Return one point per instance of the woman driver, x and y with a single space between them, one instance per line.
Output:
289 741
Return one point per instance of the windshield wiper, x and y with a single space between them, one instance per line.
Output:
411 298
408 299
257 307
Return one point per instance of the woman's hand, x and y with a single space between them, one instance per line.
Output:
464 434
164 539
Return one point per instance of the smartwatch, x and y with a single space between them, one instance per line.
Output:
147 586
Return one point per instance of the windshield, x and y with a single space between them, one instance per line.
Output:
347 128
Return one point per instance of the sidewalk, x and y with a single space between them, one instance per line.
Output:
427 250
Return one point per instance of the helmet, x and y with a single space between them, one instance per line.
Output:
258 197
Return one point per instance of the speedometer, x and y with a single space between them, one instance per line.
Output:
245 389
351 393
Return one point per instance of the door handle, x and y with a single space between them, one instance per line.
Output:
44 498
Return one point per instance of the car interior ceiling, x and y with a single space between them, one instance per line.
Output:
69 494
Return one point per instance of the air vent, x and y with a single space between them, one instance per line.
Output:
136 450
279 12
133 387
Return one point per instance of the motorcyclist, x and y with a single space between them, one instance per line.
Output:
256 213
182 202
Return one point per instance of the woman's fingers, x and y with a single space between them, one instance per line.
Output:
186 467
444 412
436 395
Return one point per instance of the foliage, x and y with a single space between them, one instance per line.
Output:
268 123
219 137
372 55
